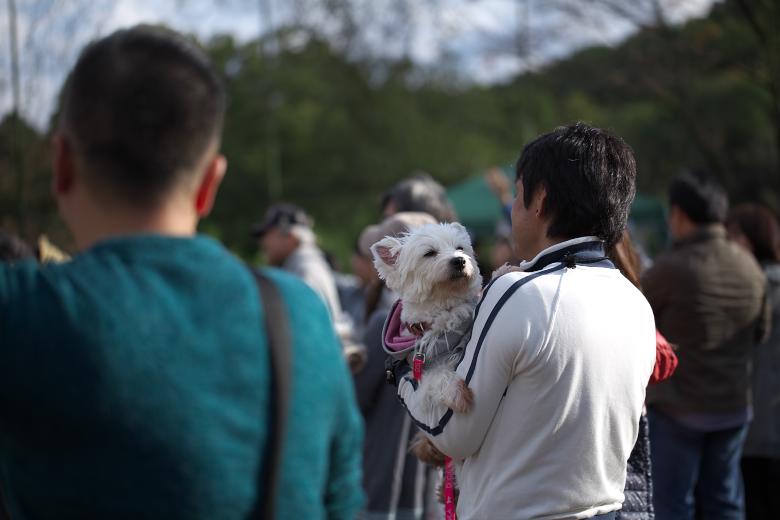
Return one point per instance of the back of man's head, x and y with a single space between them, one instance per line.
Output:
141 109
589 176
697 194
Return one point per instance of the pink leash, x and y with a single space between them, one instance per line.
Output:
449 490
449 471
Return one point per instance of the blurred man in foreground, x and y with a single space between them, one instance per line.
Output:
134 379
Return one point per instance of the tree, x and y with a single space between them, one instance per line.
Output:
763 17
43 34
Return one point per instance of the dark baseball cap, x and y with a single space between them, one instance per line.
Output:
282 215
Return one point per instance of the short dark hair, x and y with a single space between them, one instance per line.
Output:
420 193
760 227
590 178
142 107
697 194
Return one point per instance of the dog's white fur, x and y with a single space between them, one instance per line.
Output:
434 271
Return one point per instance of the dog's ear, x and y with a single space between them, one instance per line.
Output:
460 227
385 253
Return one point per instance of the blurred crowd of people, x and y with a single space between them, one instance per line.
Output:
131 385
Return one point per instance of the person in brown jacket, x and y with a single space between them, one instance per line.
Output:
709 298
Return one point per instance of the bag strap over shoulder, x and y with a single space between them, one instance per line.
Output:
280 349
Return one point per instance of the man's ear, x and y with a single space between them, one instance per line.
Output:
680 224
209 185
64 166
539 200
385 254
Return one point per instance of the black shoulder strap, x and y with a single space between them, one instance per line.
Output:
280 348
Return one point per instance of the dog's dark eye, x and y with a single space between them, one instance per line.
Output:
459 248
430 253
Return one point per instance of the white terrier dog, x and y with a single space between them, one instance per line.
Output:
433 270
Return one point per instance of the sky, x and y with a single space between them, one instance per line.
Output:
480 37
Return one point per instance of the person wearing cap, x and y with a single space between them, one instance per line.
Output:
288 241
393 479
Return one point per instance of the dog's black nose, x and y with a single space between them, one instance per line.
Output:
458 263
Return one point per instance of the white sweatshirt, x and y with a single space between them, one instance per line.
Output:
558 361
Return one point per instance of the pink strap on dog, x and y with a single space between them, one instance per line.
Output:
449 472
449 490
417 365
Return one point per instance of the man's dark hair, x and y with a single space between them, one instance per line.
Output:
142 106
700 197
761 229
420 193
13 248
589 175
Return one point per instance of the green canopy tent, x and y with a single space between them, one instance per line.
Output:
479 210
477 207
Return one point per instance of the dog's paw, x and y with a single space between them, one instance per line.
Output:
462 397
504 269
423 449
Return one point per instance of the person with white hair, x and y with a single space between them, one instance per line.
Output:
286 237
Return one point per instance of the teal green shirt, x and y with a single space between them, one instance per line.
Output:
134 383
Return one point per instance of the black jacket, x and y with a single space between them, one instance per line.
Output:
638 504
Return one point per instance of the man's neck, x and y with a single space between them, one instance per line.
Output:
543 245
689 233
554 245
100 225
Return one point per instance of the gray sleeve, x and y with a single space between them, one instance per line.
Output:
370 381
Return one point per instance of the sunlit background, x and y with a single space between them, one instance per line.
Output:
332 101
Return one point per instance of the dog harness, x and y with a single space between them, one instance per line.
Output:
403 343
418 364
399 345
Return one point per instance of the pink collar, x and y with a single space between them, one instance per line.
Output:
394 338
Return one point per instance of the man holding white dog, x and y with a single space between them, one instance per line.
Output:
561 348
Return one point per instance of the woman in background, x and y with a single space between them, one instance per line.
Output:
756 229
638 503
395 482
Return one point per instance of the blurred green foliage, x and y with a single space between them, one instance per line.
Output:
307 125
